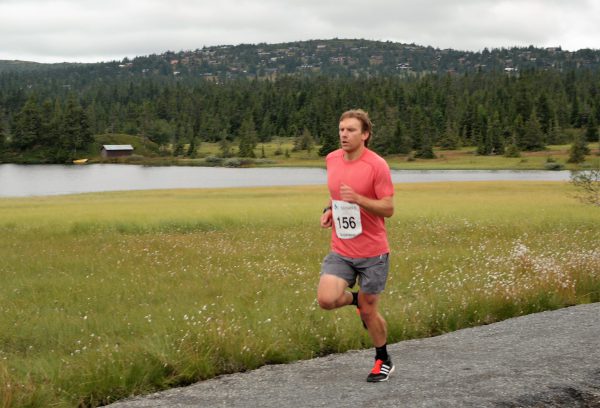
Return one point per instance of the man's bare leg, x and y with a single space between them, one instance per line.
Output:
376 325
332 292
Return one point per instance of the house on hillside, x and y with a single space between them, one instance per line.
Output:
109 151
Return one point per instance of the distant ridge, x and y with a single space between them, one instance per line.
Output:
337 57
18 65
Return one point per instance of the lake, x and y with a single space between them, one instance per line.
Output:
34 180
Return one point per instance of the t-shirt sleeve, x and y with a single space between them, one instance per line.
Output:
383 181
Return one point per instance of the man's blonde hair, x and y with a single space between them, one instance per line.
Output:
363 117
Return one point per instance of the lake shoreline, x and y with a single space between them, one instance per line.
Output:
46 180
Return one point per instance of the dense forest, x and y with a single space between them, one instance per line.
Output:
54 113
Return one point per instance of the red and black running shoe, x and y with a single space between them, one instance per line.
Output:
381 371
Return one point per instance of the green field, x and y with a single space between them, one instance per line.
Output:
106 295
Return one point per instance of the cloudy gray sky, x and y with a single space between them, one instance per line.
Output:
102 30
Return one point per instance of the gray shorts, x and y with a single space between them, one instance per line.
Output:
371 272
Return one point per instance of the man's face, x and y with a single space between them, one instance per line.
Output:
351 135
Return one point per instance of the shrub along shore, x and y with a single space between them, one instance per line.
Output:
110 294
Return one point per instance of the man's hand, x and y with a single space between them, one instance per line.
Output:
348 195
326 219
384 207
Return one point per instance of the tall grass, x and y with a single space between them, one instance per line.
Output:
106 295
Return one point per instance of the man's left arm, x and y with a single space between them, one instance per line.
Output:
382 207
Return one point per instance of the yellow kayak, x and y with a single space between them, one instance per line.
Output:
80 161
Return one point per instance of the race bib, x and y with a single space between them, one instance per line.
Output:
346 217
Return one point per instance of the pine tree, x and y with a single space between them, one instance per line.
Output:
401 143
500 143
484 145
145 120
578 150
591 129
523 104
2 131
383 140
450 139
555 133
417 128
177 142
27 126
72 130
304 142
468 122
192 148
544 113
388 132
49 132
59 151
575 113
330 143
160 132
533 137
512 148
248 139
224 145
425 150
267 129
494 135
75 131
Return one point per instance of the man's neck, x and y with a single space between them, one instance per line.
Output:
355 154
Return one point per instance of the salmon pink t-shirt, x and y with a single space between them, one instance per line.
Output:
369 176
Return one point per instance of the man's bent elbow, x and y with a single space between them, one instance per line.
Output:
388 211
388 208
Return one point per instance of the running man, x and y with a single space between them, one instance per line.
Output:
361 191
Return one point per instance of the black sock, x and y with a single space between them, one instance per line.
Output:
381 353
354 299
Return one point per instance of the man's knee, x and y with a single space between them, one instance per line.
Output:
326 302
368 306
330 292
368 314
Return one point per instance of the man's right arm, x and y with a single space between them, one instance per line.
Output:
326 217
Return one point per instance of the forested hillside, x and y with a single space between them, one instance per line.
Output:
419 97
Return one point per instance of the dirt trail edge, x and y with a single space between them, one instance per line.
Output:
548 359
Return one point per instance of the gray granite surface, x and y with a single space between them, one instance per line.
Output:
549 359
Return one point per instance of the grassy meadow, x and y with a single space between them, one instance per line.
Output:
110 294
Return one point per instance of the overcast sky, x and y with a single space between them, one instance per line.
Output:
103 30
